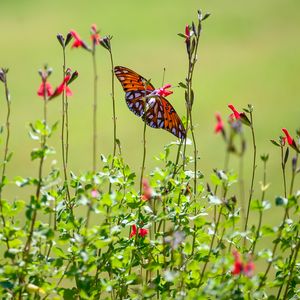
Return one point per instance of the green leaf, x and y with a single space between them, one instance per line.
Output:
59 252
275 143
183 85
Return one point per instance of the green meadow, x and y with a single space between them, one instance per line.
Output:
249 53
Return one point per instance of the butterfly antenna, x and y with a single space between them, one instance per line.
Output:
163 78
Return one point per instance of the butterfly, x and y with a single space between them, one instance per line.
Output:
158 111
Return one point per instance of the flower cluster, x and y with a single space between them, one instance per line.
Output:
240 267
45 89
141 232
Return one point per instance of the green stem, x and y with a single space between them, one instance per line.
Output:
144 156
294 170
67 130
283 171
27 247
5 154
260 212
291 269
210 247
113 102
114 113
276 243
253 175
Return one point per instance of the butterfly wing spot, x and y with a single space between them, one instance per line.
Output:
129 95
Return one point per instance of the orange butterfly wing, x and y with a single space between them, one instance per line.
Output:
160 113
135 87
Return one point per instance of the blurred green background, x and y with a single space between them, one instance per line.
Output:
249 53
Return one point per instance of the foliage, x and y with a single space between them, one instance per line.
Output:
180 236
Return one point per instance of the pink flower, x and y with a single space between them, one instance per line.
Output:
236 114
94 193
142 231
95 37
147 190
163 92
289 139
45 89
220 125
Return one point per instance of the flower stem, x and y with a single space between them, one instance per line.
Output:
114 112
260 211
144 156
5 154
283 171
39 184
253 174
294 171
276 243
67 129
211 246
291 269
113 102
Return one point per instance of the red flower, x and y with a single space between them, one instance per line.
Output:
289 139
63 87
236 114
187 33
45 89
133 231
95 37
147 191
238 264
142 231
163 92
220 125
78 42
242 268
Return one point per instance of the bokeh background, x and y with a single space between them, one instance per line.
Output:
249 53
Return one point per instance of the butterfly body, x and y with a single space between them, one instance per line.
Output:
142 100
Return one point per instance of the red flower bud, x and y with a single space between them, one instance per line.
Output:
220 125
235 112
187 33
289 139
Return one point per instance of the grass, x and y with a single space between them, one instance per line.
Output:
248 53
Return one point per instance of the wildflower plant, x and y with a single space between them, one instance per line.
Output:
171 233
